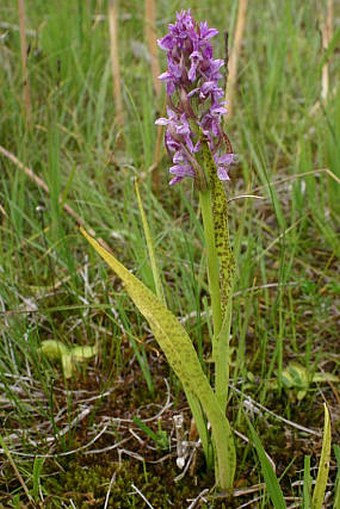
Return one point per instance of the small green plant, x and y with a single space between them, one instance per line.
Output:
297 379
160 437
69 357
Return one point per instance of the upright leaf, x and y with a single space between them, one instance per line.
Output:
321 480
221 228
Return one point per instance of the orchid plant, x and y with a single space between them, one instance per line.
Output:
201 151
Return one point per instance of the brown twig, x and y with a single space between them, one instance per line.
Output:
42 184
115 66
150 36
23 46
235 53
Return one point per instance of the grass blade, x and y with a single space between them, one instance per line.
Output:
270 478
337 480
307 484
151 248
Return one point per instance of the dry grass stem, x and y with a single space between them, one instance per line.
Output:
150 36
327 32
200 498
234 54
157 155
16 471
3 211
115 66
282 181
107 497
257 405
143 497
23 47
62 454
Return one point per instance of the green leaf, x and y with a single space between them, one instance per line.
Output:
301 395
321 480
181 355
82 353
295 376
53 349
307 485
325 378
36 476
270 478
160 438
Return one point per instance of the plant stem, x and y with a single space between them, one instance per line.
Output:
221 324
212 263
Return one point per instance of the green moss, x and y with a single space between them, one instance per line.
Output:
87 483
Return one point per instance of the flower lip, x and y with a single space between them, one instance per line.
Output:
162 121
222 173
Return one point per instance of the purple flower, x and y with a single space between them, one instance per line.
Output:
195 100
223 162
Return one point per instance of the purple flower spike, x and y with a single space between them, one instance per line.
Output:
195 101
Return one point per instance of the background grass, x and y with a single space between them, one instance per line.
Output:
52 286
